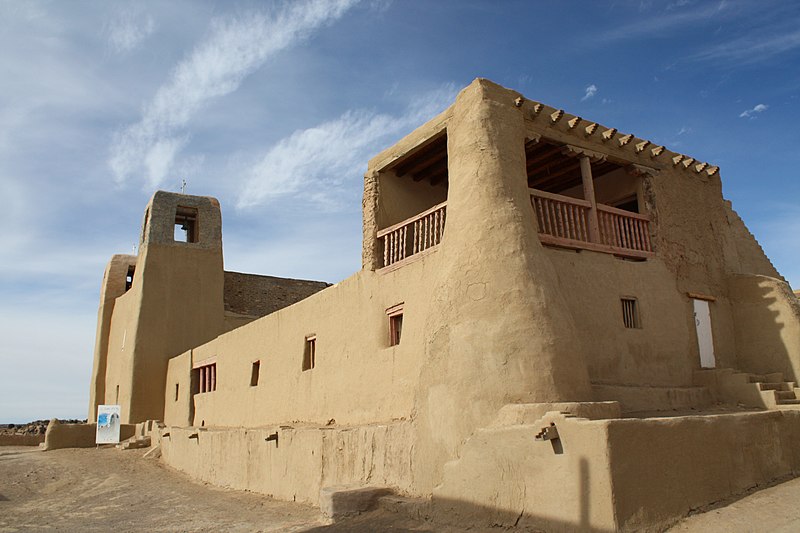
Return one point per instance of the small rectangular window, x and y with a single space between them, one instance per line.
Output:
630 313
129 277
176 392
185 224
395 314
206 378
310 353
254 372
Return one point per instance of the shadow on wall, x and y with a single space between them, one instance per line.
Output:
445 514
767 318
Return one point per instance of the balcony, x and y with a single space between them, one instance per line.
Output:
567 222
412 236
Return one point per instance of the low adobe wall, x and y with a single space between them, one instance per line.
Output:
78 435
614 475
21 440
289 463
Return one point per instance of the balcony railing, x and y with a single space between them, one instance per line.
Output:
565 221
413 235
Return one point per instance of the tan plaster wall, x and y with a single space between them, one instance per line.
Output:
503 477
358 377
400 198
113 286
498 332
60 435
767 316
303 460
661 353
663 468
179 412
121 343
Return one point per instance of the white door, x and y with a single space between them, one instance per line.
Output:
705 341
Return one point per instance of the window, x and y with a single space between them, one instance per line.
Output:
185 224
310 353
395 314
206 378
630 313
176 392
129 278
254 372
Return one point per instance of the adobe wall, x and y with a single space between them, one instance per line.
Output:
768 339
614 475
296 461
358 378
113 286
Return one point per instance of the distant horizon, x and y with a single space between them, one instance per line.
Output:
275 108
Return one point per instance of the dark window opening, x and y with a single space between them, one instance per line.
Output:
129 278
254 372
630 313
185 224
206 378
628 204
116 400
176 392
310 353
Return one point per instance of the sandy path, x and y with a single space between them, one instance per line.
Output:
111 490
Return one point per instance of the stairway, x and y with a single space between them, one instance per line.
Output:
768 391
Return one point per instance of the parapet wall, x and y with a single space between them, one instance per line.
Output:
291 463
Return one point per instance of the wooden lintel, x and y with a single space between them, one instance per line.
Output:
576 151
701 296
640 170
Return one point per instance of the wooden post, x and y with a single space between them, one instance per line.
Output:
588 194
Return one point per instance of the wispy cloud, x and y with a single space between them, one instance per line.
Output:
591 90
754 47
750 113
235 48
684 130
323 157
659 23
128 30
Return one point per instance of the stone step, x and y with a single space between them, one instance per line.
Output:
788 402
785 395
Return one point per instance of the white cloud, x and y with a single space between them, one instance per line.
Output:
128 30
216 67
323 157
750 113
684 130
591 90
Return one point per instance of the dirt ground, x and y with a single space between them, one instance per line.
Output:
106 489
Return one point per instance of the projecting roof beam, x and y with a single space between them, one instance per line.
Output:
591 128
556 116
640 147
699 168
609 134
573 122
657 151
625 139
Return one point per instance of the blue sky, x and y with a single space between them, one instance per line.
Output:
275 108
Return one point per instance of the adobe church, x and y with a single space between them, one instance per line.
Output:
556 324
